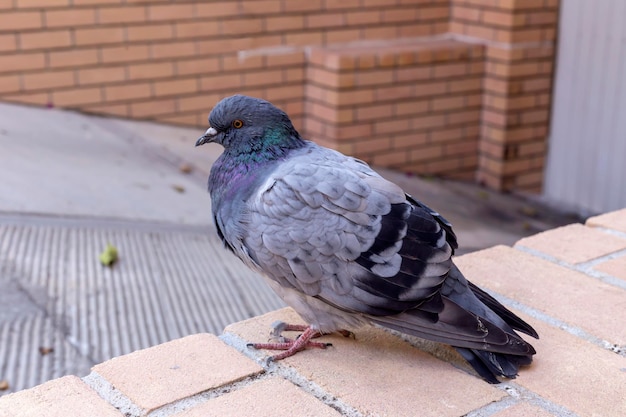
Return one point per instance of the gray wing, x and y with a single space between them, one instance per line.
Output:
330 227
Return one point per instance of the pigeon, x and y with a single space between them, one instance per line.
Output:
345 247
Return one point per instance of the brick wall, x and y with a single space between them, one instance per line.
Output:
413 106
519 38
471 106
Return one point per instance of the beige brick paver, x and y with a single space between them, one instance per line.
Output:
274 397
523 409
560 292
63 397
572 372
380 374
157 376
615 220
574 243
615 267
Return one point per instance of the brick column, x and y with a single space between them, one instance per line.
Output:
412 105
519 37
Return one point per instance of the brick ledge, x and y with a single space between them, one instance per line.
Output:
570 283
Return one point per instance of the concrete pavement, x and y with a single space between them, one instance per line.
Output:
71 183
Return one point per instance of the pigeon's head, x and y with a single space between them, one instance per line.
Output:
241 121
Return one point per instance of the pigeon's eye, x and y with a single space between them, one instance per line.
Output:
237 123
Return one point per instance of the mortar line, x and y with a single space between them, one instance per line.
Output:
494 407
584 267
292 375
112 395
609 231
196 400
555 322
525 394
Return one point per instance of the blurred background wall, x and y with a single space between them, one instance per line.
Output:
457 88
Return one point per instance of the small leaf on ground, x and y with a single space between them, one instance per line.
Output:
109 256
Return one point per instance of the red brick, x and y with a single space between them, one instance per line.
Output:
183 120
448 103
127 91
304 38
260 7
119 110
284 59
172 50
98 35
383 111
25 4
45 40
423 72
72 58
286 92
390 158
302 6
76 96
391 126
175 87
369 146
412 107
153 108
200 102
450 70
359 131
215 10
8 43
152 32
196 29
374 77
324 20
157 12
434 13
284 23
127 53
429 121
37 99
343 35
22 61
244 26
9 83
126 14
461 12
20 20
390 15
150 70
465 85
229 63
221 82
293 74
196 66
48 80
363 17
72 17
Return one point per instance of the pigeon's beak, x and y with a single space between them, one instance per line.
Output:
208 136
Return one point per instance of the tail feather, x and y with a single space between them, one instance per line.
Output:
490 365
510 318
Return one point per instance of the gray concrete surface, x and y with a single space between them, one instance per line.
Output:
71 183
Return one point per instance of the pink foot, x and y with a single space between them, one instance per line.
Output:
290 346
